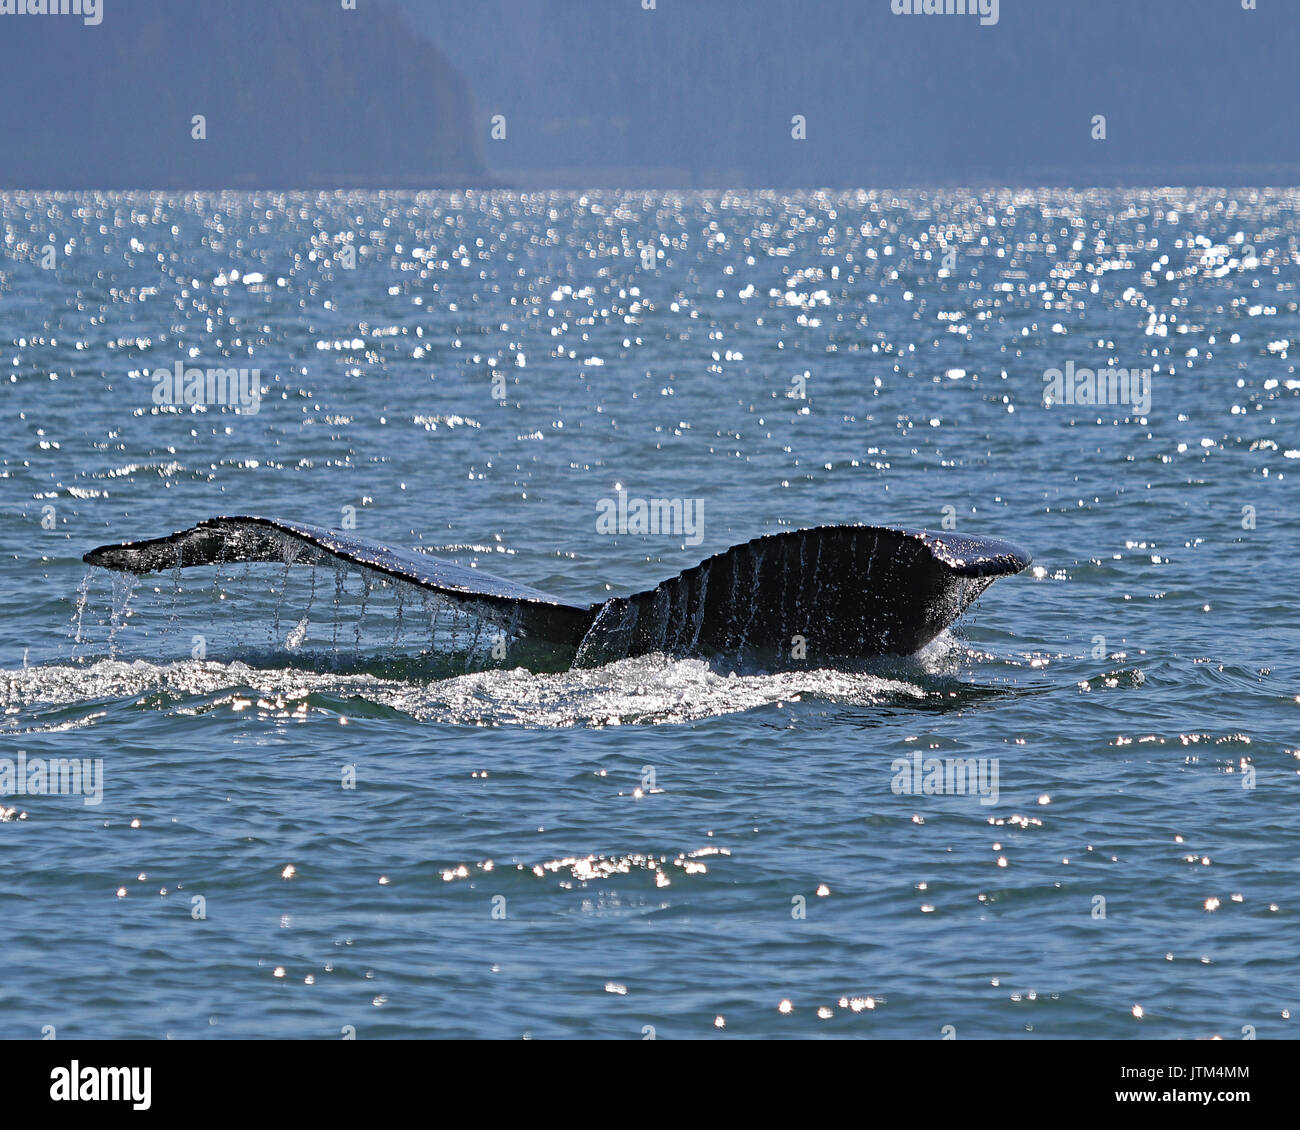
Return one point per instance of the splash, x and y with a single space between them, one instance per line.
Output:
647 690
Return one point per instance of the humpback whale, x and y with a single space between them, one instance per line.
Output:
828 592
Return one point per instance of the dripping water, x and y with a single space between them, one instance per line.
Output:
83 591
124 585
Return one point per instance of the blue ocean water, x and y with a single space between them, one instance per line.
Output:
314 823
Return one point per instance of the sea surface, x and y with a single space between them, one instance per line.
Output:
323 815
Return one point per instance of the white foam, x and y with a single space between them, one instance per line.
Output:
646 690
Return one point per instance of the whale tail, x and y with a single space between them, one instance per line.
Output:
829 592
824 593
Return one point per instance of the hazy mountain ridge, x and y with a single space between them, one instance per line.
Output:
299 93
402 93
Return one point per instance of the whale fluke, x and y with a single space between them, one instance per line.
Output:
833 591
828 592
221 541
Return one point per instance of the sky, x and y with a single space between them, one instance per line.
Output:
704 92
